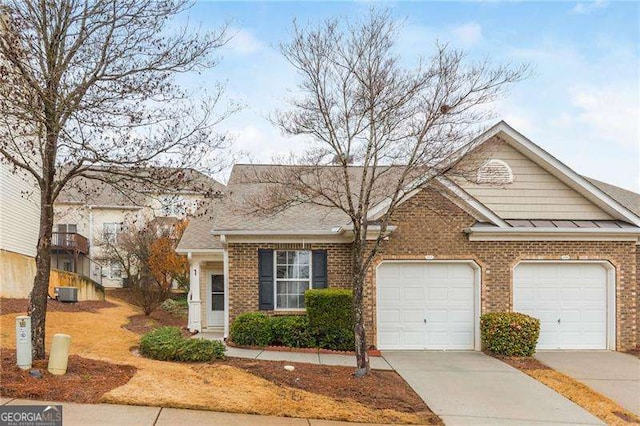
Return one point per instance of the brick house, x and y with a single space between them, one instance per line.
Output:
525 234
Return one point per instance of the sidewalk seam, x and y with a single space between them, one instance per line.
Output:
158 416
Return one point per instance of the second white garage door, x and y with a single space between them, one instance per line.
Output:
426 306
569 299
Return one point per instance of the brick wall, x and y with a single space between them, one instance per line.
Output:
430 224
243 271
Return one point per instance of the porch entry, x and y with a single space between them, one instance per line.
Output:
215 299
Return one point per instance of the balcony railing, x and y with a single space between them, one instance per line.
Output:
70 241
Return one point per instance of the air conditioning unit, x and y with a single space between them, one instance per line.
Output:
66 294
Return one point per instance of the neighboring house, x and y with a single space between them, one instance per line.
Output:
90 212
19 227
527 234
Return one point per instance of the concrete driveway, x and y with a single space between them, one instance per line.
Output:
465 388
613 374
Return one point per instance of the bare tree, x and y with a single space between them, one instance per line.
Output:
88 90
145 254
385 130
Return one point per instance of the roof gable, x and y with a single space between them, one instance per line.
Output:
532 193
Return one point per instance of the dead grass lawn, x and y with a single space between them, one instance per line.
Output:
99 335
597 404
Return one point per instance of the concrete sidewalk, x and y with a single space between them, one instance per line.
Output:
134 415
376 363
613 374
465 388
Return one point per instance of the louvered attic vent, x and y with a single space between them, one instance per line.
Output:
495 172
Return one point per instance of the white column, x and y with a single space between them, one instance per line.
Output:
226 292
194 296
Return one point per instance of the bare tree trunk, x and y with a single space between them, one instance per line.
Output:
38 299
362 359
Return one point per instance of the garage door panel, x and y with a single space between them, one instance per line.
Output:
443 294
413 294
461 294
388 316
575 294
437 294
390 294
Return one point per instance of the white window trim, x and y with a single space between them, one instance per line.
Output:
118 228
276 279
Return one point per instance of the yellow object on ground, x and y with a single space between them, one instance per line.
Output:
208 386
59 354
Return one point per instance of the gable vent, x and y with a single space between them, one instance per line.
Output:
495 172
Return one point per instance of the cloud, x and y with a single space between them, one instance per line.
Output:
611 113
468 34
243 42
583 8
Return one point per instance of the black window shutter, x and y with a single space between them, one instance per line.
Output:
265 279
319 267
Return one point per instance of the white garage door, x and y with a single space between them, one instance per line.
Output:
425 306
569 299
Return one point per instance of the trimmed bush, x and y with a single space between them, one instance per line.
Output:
161 343
330 313
200 350
167 344
291 331
251 329
509 333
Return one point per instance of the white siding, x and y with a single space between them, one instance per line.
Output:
19 212
534 193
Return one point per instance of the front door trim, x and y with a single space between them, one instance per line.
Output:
211 322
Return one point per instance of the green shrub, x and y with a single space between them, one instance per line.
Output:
168 344
173 308
251 329
161 343
291 331
509 333
331 321
200 350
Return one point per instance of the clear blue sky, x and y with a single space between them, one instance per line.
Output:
583 104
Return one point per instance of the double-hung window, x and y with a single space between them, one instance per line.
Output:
110 231
292 278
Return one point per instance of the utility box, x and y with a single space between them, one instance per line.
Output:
66 294
59 354
23 342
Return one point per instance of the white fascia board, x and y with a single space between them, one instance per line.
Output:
571 178
415 186
198 251
480 209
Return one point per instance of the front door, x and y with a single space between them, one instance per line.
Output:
215 300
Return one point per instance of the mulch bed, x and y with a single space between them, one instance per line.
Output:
379 389
141 324
86 380
370 352
19 306
523 363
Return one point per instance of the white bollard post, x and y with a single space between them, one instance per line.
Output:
23 342
59 355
